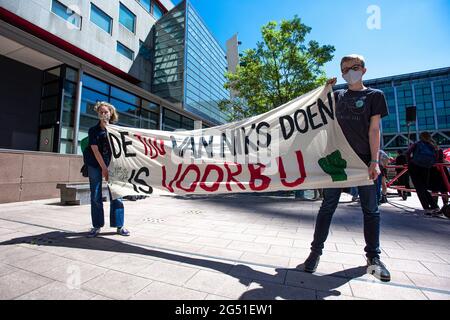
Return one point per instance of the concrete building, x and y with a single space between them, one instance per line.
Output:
233 57
157 63
429 92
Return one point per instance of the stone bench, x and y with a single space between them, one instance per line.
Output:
78 193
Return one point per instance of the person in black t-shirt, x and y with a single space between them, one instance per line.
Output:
359 111
97 158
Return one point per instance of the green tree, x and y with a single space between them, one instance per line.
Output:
281 68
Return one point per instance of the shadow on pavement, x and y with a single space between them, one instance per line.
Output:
268 286
286 208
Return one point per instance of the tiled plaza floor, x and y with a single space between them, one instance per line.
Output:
217 247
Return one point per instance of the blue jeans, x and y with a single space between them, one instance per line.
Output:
369 206
116 214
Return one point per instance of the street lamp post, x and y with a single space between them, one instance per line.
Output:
410 118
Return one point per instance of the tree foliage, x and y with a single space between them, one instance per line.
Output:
281 67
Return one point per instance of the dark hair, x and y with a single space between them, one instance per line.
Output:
354 57
426 136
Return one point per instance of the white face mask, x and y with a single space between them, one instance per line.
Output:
104 117
353 76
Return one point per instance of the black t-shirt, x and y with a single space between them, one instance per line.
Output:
98 137
353 112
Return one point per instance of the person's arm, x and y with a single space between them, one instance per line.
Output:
100 161
409 151
374 141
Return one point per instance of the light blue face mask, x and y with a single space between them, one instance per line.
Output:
353 76
104 117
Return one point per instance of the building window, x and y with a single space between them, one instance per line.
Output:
66 13
101 19
152 7
146 4
125 51
68 110
174 121
157 11
133 110
127 18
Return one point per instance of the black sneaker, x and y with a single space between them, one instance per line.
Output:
377 268
311 263
383 199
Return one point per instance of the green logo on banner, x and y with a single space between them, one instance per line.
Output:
334 165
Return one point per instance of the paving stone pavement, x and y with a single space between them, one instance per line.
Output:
241 246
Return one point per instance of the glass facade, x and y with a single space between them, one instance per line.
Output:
390 122
145 52
205 70
429 91
58 101
49 114
68 110
189 64
442 101
404 99
166 47
169 55
67 14
133 111
101 19
174 121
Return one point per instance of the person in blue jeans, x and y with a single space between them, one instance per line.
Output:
358 111
97 158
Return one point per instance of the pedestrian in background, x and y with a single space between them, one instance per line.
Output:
422 155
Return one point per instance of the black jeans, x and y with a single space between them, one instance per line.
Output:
369 206
419 177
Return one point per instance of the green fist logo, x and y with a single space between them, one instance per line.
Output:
334 165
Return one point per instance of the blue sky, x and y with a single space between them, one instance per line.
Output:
414 34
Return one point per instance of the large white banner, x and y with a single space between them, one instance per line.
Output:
298 145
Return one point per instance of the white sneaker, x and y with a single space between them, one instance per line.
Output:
123 232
